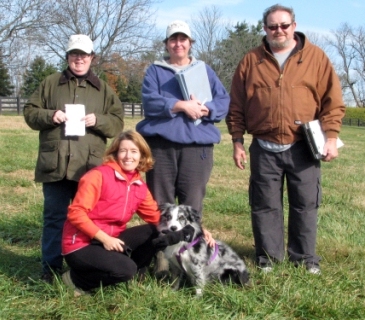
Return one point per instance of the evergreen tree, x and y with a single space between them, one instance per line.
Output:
36 73
132 92
230 51
6 88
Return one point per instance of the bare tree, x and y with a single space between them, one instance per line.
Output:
19 17
208 28
348 45
357 44
19 22
121 26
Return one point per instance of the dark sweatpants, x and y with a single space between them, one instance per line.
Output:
93 265
303 178
181 171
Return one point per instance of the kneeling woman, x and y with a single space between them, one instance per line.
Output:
96 244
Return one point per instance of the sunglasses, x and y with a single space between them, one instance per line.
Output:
75 54
281 26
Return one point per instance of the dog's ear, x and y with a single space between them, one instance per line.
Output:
164 206
194 216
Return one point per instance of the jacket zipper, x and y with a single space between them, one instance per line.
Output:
74 238
126 201
127 198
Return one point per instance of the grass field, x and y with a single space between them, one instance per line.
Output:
286 293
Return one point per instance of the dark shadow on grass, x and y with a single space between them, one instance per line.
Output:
20 246
245 252
20 267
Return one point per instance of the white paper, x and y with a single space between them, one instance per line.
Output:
320 137
74 125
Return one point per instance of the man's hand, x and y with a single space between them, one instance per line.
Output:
239 155
330 150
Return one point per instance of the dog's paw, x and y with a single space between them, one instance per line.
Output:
199 292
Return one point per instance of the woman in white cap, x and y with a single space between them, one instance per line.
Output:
182 148
64 158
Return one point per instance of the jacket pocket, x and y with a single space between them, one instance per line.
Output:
48 156
259 117
95 156
304 106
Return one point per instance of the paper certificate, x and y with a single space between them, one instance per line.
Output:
74 125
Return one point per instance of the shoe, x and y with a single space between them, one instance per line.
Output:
47 277
314 270
66 278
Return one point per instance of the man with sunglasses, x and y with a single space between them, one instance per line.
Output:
277 87
63 157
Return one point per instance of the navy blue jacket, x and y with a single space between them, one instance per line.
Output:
161 91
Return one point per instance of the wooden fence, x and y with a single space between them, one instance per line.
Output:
11 105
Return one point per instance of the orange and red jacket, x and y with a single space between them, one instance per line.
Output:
106 200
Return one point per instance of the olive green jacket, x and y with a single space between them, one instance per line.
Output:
61 156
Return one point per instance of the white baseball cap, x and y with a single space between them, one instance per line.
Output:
177 26
80 42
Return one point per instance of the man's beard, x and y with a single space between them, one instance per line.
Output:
279 45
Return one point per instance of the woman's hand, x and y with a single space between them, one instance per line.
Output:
193 108
109 243
59 117
90 120
208 238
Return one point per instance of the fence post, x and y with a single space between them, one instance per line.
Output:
141 109
133 110
0 105
18 105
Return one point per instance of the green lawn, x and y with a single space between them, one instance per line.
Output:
286 293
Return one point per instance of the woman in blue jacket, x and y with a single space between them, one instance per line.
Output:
182 148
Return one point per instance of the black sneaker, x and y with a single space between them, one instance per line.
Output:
47 277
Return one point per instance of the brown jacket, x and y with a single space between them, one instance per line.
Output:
271 104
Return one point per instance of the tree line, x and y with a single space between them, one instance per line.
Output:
34 35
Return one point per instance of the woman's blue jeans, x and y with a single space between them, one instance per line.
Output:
57 197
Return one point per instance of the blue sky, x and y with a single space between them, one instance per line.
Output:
320 16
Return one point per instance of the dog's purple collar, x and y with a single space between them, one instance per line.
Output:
192 244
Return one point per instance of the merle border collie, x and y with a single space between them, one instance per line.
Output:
195 260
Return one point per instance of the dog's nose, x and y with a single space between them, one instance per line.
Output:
173 228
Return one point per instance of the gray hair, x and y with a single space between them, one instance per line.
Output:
278 7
